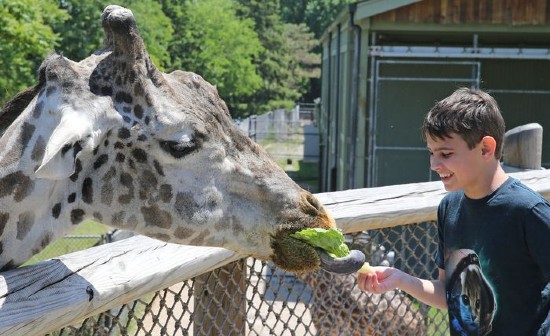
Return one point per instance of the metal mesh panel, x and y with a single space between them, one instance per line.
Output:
252 297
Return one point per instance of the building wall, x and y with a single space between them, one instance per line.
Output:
390 103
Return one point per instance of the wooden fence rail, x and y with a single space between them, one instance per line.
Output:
52 294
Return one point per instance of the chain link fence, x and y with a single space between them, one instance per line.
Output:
269 301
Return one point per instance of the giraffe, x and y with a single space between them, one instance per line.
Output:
339 307
113 139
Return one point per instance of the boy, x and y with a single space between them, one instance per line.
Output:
494 233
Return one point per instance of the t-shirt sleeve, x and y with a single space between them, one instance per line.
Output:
439 255
537 234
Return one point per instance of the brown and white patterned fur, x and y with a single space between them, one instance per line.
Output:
113 139
339 307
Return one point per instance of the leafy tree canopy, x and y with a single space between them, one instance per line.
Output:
26 38
219 46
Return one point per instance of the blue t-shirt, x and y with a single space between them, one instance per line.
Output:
496 256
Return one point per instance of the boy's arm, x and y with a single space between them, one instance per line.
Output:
382 279
430 292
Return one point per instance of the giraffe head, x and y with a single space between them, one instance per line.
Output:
111 138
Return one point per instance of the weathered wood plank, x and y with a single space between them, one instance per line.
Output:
373 208
45 297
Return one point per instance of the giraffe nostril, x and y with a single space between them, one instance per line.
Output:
310 204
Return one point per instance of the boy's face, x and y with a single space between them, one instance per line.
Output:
459 167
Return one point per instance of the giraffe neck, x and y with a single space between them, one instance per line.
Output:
30 213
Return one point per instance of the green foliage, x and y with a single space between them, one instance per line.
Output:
155 28
82 34
220 47
316 14
26 38
261 54
278 89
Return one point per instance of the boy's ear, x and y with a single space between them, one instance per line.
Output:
488 146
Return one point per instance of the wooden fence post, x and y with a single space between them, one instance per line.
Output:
523 148
220 301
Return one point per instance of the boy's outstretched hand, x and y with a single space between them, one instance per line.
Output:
378 279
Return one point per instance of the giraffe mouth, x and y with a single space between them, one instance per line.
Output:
345 265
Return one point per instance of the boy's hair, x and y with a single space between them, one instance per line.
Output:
472 114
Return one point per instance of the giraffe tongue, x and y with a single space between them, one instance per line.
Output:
345 265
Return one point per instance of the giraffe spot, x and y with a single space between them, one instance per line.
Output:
39 148
56 210
101 160
38 109
165 193
158 168
24 224
87 191
98 216
71 198
156 217
77 170
124 133
106 90
123 97
77 215
26 132
131 164
185 206
160 236
118 218
131 222
4 216
199 240
138 111
140 155
18 184
148 181
46 240
138 89
127 181
183 233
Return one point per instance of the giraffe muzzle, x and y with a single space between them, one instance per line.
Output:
345 265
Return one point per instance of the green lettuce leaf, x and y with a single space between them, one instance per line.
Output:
331 240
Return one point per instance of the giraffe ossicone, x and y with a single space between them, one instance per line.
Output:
113 139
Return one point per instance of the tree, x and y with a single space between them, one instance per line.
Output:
272 64
214 43
25 39
316 14
305 63
82 34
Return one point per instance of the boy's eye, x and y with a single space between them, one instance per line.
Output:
446 155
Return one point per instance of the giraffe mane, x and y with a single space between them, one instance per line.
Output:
15 106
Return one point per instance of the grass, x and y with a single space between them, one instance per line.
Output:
68 245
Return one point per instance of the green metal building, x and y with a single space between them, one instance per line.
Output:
386 62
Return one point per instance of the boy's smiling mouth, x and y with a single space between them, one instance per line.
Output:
446 176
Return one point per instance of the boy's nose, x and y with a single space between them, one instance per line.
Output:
434 164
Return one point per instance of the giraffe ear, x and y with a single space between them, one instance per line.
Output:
67 140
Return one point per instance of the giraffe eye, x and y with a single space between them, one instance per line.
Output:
178 149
